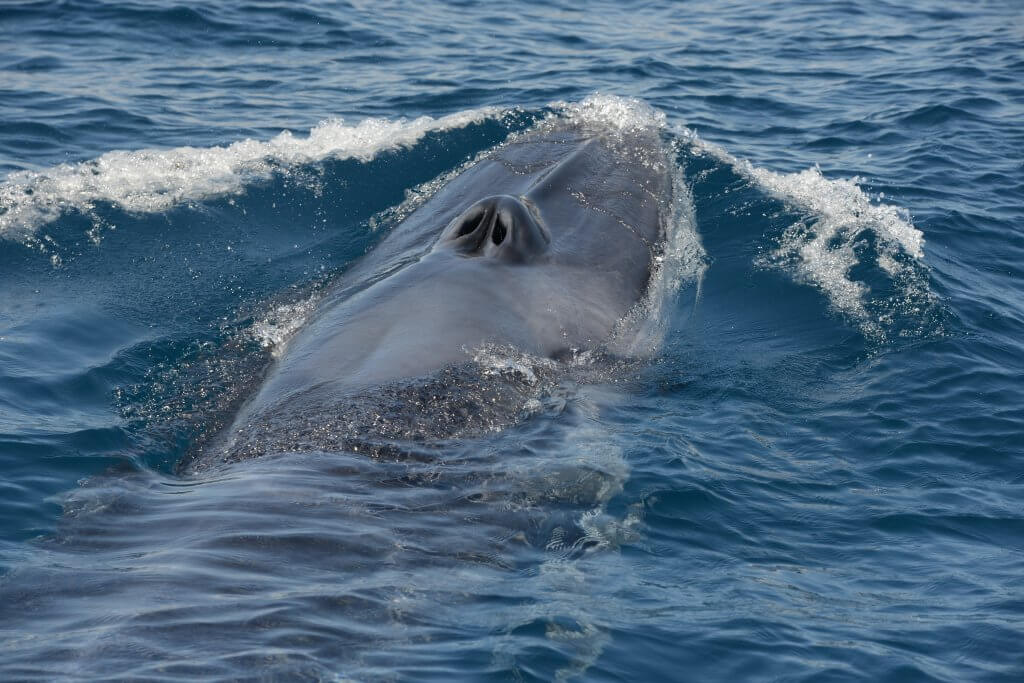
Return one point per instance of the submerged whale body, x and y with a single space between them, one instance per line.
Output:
543 246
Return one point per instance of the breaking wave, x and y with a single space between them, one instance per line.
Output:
154 180
865 256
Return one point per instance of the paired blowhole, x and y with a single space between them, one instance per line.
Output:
502 226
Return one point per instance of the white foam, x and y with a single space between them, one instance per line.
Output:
824 252
842 206
154 180
611 111
504 361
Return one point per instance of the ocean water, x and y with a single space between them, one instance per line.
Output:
806 461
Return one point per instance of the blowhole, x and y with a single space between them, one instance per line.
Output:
470 224
499 232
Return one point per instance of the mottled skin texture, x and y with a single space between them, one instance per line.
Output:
544 245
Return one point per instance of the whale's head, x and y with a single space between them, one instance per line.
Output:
544 246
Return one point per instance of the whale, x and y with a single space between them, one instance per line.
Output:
374 490
544 245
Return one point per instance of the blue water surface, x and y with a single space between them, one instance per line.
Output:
818 475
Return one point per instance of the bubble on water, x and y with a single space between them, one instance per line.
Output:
280 324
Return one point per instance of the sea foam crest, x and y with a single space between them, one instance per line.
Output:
825 250
612 111
154 180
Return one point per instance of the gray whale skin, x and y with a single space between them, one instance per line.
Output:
544 245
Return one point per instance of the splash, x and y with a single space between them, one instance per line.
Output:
610 111
841 206
277 327
508 362
155 180
865 256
